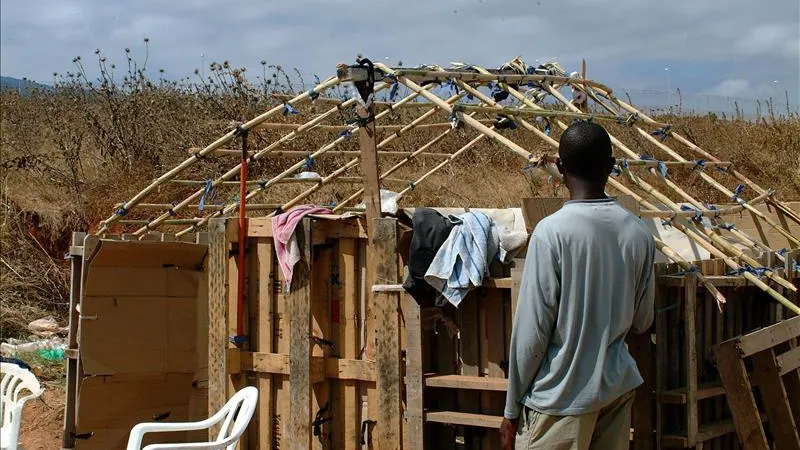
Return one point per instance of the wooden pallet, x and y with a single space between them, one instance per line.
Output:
775 355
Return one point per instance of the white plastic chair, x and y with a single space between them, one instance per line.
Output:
235 416
15 380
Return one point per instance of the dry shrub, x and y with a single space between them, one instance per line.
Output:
70 153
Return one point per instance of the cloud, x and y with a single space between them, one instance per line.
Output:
626 43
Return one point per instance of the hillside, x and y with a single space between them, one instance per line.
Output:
71 153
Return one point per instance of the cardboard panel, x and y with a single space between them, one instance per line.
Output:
138 335
149 254
109 406
141 281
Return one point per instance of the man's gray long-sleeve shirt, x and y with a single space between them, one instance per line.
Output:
587 281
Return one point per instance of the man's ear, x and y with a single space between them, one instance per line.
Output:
559 166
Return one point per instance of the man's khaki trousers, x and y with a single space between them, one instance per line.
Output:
607 429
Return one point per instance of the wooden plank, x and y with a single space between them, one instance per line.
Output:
493 339
300 384
766 373
661 351
690 350
466 382
385 319
237 379
261 293
498 283
217 317
740 397
76 272
349 326
705 391
334 227
321 287
769 337
789 361
369 167
643 412
536 209
466 419
470 366
414 421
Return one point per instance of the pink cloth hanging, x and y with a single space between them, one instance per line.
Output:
286 248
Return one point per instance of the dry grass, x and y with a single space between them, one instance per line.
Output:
69 155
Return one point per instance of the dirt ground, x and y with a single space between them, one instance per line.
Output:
43 418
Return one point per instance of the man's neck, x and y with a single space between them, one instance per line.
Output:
585 192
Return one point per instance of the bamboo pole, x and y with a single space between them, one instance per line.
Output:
384 153
537 112
293 126
713 250
233 171
350 180
716 239
697 149
685 265
742 237
721 212
690 231
470 77
406 160
460 151
490 133
231 207
378 104
208 149
619 186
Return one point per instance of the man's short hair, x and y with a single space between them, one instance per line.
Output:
585 150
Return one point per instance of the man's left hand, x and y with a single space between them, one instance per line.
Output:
508 433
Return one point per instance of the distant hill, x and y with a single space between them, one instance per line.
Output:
22 85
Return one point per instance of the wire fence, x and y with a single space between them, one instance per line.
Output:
680 103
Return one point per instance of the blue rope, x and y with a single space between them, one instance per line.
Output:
699 164
692 269
646 157
616 171
547 127
345 134
313 94
122 211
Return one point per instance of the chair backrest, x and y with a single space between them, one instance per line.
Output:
15 380
238 412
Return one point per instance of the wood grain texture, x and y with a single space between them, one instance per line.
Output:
740 397
300 384
385 307
217 317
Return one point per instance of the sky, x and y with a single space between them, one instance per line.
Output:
730 48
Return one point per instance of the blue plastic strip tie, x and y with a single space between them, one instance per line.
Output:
737 191
615 172
206 193
308 164
700 163
698 215
122 211
313 94
289 109
662 169
345 133
646 157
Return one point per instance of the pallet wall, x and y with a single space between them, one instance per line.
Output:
313 350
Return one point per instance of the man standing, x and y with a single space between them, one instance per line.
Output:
587 281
